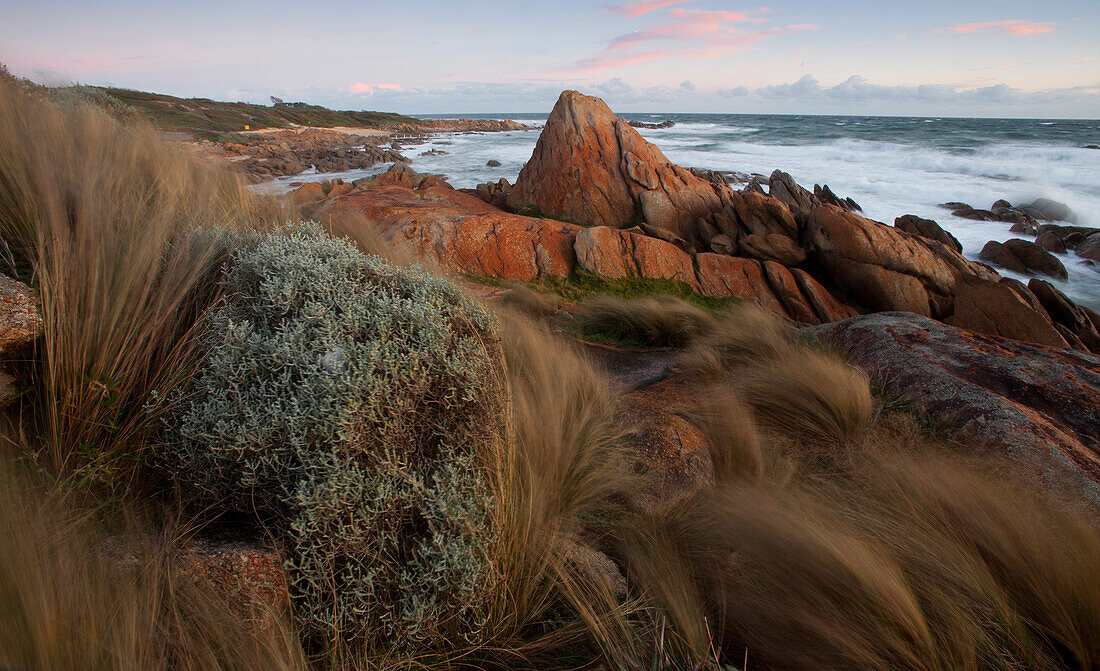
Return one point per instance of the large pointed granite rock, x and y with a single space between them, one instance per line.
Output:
592 168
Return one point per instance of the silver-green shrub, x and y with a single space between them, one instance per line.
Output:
351 403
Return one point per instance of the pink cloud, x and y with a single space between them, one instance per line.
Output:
640 7
369 89
714 17
708 35
1011 27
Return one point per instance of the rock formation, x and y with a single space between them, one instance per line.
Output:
911 223
1039 406
1023 256
20 326
592 168
885 268
459 231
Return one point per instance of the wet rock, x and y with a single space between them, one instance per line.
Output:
1023 256
493 163
1037 406
652 126
1004 211
1049 210
911 223
968 212
1089 248
1051 241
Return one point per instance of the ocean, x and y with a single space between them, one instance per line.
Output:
889 165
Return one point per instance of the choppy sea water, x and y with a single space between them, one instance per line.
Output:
890 165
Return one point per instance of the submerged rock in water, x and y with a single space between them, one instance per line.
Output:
1023 256
1049 210
652 126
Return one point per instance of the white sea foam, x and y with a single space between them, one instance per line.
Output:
887 178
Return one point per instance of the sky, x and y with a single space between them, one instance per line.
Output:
983 58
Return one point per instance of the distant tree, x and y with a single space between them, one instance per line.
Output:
277 101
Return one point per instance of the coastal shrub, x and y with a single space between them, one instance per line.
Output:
353 405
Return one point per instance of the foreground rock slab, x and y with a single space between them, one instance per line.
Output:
1039 406
459 231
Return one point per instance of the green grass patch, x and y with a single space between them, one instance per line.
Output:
535 212
581 285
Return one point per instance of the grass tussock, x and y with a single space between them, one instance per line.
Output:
67 602
103 219
895 557
529 302
559 471
812 394
659 321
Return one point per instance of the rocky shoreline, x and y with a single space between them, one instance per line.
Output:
596 199
266 154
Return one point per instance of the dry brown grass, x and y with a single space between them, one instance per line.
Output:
896 556
659 321
527 301
65 603
560 467
811 394
102 219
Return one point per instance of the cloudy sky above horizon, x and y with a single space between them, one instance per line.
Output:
935 57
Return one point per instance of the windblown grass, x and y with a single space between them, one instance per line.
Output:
67 602
884 561
559 467
660 321
102 219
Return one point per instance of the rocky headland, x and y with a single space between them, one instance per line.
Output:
596 199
